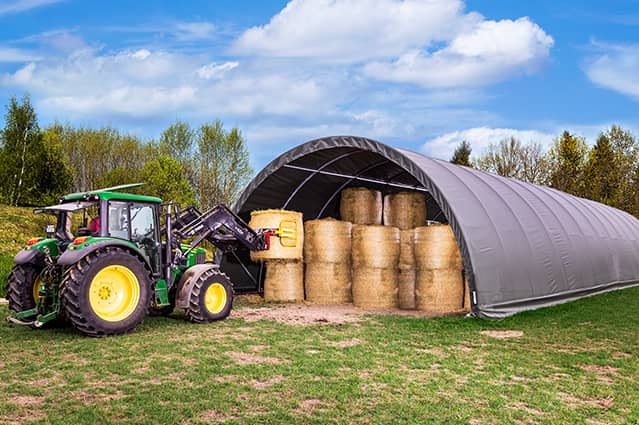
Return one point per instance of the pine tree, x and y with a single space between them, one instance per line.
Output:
567 161
461 156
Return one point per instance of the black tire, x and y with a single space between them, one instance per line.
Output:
198 311
76 288
20 287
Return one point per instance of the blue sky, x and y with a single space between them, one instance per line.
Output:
418 74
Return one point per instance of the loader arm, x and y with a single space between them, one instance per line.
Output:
221 227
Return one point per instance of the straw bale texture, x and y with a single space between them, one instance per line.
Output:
375 246
271 219
436 248
406 282
407 247
439 290
327 241
284 281
375 288
328 283
405 210
360 205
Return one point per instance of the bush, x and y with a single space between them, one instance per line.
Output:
6 264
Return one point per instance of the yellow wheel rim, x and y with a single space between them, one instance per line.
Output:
36 289
114 293
215 298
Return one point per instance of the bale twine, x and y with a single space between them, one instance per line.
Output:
284 281
272 219
375 288
327 241
436 248
360 205
406 281
439 290
328 283
405 210
375 246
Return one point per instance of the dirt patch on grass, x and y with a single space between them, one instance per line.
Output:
26 400
525 408
346 343
308 406
315 314
599 369
248 358
260 385
621 355
503 334
574 402
214 416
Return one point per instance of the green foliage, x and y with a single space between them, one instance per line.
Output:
461 156
568 161
6 264
32 170
223 164
602 173
165 179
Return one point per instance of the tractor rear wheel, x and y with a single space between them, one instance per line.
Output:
211 297
23 286
106 293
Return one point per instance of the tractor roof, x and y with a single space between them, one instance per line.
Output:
110 193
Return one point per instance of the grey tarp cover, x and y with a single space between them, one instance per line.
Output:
523 246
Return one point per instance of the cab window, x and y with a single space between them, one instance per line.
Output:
142 223
118 219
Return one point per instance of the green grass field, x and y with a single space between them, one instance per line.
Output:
576 363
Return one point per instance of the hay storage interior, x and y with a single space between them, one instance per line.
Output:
522 246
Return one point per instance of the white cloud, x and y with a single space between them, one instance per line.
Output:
480 138
216 70
192 31
9 54
148 83
17 6
355 30
616 68
491 52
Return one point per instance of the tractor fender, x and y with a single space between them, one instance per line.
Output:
29 256
70 257
188 279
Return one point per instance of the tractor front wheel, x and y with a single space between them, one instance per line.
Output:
211 297
23 286
106 293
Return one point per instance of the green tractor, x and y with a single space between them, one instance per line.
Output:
112 258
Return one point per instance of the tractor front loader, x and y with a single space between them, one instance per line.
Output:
131 259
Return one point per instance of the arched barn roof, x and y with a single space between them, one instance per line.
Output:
523 246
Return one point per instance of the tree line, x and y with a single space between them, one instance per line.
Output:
203 166
606 172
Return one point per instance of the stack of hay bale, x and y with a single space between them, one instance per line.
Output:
439 286
327 254
284 279
375 262
406 210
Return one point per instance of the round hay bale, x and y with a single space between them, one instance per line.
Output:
439 290
271 219
327 241
360 205
375 288
284 281
406 282
436 248
407 248
328 283
405 210
466 295
375 246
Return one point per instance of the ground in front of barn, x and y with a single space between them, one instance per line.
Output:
575 363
